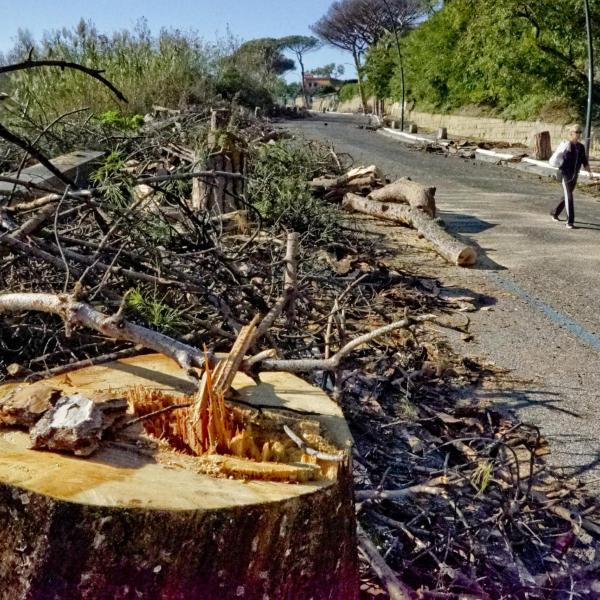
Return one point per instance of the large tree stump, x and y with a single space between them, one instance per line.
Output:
542 147
142 524
447 246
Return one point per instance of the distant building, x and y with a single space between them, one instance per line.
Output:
313 83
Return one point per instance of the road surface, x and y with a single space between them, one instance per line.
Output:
545 323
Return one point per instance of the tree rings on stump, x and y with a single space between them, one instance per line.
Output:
139 520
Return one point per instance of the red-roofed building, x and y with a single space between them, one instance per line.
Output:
315 82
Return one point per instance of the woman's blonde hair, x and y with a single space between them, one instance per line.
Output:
575 128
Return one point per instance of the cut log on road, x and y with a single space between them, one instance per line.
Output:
354 180
443 243
139 520
409 192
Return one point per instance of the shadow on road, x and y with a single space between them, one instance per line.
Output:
584 225
462 226
462 223
516 399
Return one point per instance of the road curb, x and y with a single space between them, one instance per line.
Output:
526 164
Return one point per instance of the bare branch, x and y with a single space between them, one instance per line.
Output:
330 364
79 314
22 143
63 64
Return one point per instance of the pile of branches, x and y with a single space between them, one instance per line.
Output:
131 242
454 499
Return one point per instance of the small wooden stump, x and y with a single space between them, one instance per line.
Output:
220 194
145 524
442 134
542 147
413 128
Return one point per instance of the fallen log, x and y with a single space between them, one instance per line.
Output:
142 517
356 179
408 192
444 244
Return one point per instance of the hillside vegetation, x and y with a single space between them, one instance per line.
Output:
173 68
509 58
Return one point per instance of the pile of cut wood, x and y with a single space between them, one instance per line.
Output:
403 201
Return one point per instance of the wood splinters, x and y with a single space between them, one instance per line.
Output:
267 471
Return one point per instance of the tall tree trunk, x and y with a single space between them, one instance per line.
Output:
361 87
304 94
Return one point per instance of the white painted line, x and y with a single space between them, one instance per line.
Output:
407 136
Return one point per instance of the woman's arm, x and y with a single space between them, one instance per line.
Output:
586 164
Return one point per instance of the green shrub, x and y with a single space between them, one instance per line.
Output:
348 91
170 69
154 311
148 69
513 59
278 188
232 84
113 118
324 91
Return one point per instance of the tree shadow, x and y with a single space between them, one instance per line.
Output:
584 449
462 226
463 223
515 400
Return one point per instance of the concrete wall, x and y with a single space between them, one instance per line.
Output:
482 128
487 128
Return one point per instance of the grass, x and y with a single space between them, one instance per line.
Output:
169 68
155 312
117 120
173 68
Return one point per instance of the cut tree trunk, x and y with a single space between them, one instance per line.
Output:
542 146
409 192
138 521
443 243
221 193
355 180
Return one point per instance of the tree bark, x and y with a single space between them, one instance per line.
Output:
409 192
443 243
130 524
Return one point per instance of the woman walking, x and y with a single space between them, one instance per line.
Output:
574 158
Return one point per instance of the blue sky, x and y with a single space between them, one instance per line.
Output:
246 19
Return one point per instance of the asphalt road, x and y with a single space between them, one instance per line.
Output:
544 324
